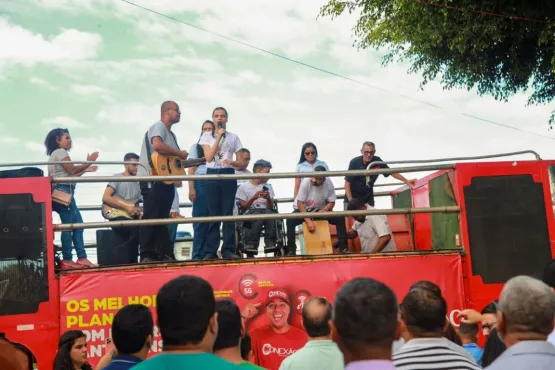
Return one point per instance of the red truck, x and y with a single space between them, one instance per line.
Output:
505 227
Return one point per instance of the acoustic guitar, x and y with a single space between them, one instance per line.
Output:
172 166
110 213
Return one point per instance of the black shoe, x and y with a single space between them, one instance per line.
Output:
166 258
249 248
148 260
290 253
270 248
206 258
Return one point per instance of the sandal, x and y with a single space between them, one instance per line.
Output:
84 262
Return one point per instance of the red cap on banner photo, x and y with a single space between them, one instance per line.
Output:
277 293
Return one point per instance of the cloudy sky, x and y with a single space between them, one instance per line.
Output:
102 67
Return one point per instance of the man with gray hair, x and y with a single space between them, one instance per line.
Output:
524 320
256 196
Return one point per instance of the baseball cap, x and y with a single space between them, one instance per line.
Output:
277 293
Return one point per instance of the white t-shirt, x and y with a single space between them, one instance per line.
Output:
58 170
370 231
229 145
315 197
247 190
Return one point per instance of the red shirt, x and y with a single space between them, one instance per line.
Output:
271 348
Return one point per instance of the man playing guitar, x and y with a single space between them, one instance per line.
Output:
155 243
119 203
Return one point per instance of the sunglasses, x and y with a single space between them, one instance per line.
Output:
309 153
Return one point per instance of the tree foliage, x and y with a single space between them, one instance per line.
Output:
498 56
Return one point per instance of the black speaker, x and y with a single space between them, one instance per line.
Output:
111 248
22 172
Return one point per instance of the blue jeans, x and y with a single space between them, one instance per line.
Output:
220 196
200 209
69 215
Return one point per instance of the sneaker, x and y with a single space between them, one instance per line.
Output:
270 248
69 265
249 248
84 262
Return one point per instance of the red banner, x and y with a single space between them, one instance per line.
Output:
90 300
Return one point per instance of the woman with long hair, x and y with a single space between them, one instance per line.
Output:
197 194
307 163
493 348
58 143
72 352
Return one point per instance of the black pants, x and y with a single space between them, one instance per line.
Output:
127 252
155 242
339 223
253 229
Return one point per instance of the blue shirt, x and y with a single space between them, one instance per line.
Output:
201 170
475 351
122 362
307 167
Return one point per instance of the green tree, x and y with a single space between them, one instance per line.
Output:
498 56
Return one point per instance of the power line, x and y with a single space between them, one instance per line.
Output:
483 12
330 72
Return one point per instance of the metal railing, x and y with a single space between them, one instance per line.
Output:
283 175
273 216
42 163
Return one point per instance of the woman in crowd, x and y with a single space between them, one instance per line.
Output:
493 348
197 194
58 143
307 162
72 352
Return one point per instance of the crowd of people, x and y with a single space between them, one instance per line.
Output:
365 327
223 153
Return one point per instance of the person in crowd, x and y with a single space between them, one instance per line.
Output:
120 201
155 243
365 324
524 321
132 335
469 338
487 317
548 277
279 334
246 348
230 332
361 187
197 193
58 143
316 194
72 352
307 163
493 348
320 352
188 323
423 318
450 333
220 194
256 197
373 230
12 358
245 157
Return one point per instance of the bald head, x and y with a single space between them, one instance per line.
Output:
527 306
316 316
169 112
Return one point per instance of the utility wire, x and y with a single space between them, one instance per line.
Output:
330 72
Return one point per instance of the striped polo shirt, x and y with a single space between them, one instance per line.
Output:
430 354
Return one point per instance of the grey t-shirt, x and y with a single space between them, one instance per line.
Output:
126 190
157 129
57 170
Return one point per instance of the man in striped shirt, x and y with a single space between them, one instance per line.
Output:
423 317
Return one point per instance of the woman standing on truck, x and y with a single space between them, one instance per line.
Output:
58 143
307 163
72 352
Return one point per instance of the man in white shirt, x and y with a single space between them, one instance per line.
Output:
220 194
316 194
256 196
373 230
245 159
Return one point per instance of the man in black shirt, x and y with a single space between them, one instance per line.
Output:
355 186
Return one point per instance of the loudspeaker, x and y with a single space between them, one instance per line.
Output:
111 248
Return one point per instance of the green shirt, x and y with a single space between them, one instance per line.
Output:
193 361
250 365
316 354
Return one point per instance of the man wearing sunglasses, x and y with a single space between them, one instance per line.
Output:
356 186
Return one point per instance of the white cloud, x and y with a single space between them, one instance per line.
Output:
8 140
21 46
43 83
35 147
62 121
88 89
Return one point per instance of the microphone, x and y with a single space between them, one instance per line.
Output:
221 126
